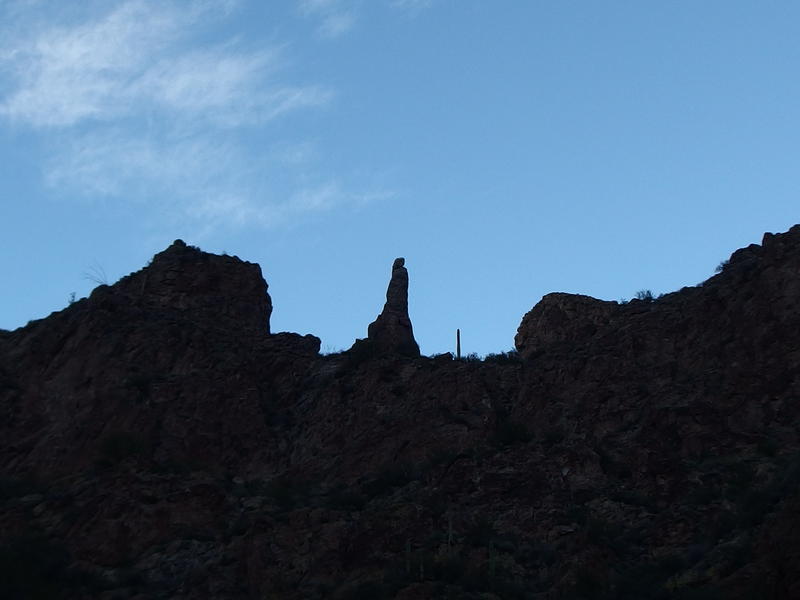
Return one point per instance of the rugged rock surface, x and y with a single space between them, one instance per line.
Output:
562 319
158 442
216 290
391 332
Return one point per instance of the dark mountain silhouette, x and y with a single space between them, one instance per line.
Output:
159 442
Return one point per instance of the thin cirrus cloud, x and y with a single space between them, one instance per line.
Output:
114 162
337 17
413 6
93 70
134 107
217 177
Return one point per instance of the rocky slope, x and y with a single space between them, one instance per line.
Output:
159 442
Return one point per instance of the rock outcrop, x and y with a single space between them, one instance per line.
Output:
561 318
392 332
223 291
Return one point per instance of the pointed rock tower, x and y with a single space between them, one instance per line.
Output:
391 332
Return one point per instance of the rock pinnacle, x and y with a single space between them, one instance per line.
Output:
391 332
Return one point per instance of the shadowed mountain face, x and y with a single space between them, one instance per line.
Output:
159 442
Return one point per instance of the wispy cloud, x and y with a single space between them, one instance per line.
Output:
67 74
135 59
294 153
335 17
114 162
337 24
413 6
211 181
135 105
224 86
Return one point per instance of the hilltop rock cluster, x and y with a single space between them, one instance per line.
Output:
159 441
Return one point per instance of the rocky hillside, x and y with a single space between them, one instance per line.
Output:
158 441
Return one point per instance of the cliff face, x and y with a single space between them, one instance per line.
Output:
159 441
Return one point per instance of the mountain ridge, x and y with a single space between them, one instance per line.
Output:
160 441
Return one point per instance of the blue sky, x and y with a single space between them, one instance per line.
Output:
506 149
